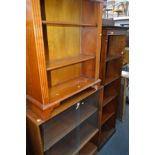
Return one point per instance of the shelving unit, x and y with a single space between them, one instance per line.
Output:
113 43
60 63
67 132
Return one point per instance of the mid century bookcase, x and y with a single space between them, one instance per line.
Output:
113 43
63 50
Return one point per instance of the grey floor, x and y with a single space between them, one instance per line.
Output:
119 142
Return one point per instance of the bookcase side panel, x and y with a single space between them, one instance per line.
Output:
37 89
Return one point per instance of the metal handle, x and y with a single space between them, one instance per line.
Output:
77 105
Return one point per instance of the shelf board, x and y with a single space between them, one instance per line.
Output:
111 79
110 58
109 99
70 146
88 149
68 24
65 125
69 88
105 135
55 64
106 117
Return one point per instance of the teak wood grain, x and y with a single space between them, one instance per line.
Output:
63 44
113 43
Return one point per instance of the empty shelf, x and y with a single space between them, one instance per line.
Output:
56 23
106 134
111 79
108 99
55 64
88 149
106 117
69 88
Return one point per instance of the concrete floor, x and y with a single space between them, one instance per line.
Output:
119 142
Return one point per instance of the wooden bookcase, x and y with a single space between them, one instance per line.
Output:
113 43
63 50
66 133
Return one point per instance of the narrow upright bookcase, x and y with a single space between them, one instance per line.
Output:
63 50
113 43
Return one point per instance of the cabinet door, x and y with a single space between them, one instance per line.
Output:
57 132
69 131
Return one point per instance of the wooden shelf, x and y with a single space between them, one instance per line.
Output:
88 149
67 89
68 24
105 135
106 117
110 58
55 64
111 79
108 99
70 146
65 125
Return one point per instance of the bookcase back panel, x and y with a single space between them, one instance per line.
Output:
110 125
88 69
89 12
116 45
112 89
64 74
63 42
88 40
63 10
113 68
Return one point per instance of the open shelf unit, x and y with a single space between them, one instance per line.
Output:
113 43
63 63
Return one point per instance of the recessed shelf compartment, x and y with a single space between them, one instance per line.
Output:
108 99
107 130
73 143
67 89
112 89
88 149
116 45
108 111
54 64
111 79
113 70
